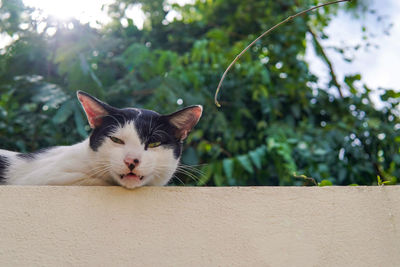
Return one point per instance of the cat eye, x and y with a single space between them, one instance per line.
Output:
155 144
117 140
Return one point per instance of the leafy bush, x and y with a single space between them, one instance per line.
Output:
275 124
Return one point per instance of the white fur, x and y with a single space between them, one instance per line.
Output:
80 165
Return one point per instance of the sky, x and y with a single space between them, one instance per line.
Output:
379 66
84 10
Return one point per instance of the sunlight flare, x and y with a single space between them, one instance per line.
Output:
88 11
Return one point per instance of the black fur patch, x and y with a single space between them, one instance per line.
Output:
33 155
4 164
150 126
153 127
116 118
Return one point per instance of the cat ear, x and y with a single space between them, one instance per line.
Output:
95 109
185 119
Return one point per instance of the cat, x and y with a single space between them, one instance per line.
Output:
130 147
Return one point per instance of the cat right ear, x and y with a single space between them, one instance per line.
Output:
185 119
95 109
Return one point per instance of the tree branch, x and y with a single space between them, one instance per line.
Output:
321 51
262 35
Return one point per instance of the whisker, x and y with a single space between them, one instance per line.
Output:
99 172
176 177
197 171
190 175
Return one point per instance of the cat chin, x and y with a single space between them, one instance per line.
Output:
130 183
127 185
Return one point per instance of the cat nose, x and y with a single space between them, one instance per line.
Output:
131 166
131 163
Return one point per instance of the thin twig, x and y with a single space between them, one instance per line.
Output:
262 35
327 61
302 176
379 171
375 165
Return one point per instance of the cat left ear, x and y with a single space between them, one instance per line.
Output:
185 119
95 109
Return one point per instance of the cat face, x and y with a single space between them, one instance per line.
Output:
136 147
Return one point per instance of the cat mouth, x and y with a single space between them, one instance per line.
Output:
131 175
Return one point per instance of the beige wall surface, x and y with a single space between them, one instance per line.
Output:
188 226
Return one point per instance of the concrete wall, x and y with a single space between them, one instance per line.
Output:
187 226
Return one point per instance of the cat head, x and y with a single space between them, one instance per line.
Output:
133 146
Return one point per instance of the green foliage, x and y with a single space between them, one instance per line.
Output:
274 121
380 182
325 183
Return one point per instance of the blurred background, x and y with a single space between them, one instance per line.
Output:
316 100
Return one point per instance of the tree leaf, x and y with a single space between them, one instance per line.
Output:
79 122
228 167
64 112
190 157
218 177
246 163
255 157
208 171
